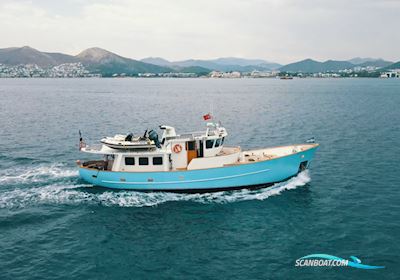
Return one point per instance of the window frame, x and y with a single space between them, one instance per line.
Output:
130 158
217 142
159 163
143 158
212 143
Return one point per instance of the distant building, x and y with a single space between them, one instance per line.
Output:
66 70
147 75
233 74
263 74
391 74
218 74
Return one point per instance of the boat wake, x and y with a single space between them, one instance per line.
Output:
57 184
36 174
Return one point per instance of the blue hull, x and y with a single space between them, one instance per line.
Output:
213 179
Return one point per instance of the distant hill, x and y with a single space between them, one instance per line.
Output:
157 61
313 66
393 66
197 62
194 69
107 63
376 63
246 62
28 55
101 61
96 60
104 62
218 64
211 64
360 60
237 61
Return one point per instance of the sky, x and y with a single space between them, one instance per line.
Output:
280 31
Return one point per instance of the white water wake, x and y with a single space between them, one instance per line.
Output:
36 174
72 193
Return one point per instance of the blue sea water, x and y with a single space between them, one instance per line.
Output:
54 226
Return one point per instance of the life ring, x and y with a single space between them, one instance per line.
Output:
177 148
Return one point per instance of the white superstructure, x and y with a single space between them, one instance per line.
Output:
188 151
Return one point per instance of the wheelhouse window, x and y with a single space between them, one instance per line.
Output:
209 144
191 145
157 160
129 161
143 161
222 141
217 142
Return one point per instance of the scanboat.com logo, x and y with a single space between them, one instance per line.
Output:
329 260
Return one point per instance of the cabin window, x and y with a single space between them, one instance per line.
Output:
209 144
143 161
217 142
157 160
191 145
222 141
129 161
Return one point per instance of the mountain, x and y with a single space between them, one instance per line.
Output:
211 64
194 69
307 65
377 63
335 65
101 61
360 60
219 64
157 61
28 55
243 62
313 66
393 66
270 65
107 63
230 61
94 59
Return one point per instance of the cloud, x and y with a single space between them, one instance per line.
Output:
277 30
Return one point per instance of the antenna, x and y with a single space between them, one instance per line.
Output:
212 109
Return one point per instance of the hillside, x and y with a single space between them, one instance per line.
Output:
210 64
157 61
218 64
313 66
107 63
360 60
28 55
393 66
194 69
376 63
96 60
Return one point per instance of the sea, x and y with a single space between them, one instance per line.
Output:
53 225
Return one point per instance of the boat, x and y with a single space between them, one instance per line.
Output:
120 141
189 162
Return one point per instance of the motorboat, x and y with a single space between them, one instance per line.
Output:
190 162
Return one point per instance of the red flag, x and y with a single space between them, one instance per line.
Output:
207 117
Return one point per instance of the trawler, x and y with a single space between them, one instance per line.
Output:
189 162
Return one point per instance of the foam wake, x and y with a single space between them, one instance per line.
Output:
36 174
75 194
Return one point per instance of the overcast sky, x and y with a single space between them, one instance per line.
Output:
276 30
